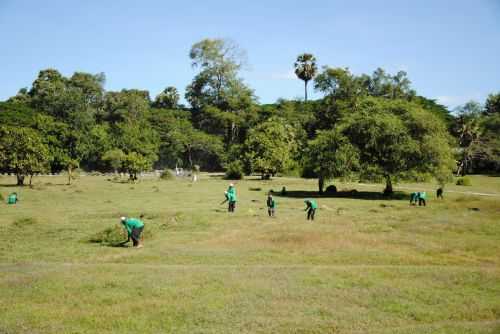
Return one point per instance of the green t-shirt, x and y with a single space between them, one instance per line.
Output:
271 203
313 204
12 199
422 195
131 223
231 194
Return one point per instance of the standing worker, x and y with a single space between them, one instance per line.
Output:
421 198
271 205
231 196
439 193
12 199
311 207
134 229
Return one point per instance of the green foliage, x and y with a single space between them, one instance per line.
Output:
331 155
305 69
464 181
168 99
234 170
135 163
269 147
22 152
492 105
114 159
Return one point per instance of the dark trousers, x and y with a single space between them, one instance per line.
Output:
136 235
231 206
420 201
310 214
270 211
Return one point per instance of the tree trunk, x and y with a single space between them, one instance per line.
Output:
388 186
31 177
321 184
20 179
305 90
70 171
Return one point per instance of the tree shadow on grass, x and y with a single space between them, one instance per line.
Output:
352 194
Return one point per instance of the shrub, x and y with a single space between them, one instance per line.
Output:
234 170
166 175
464 181
331 189
2 198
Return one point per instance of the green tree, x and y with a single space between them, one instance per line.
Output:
398 139
22 152
492 104
135 163
167 99
331 155
115 159
269 147
305 69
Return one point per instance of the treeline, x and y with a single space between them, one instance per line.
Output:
372 127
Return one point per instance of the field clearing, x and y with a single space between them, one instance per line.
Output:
366 265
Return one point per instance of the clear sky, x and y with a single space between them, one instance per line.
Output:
450 48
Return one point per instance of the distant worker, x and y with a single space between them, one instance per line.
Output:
439 193
413 198
421 198
231 196
311 207
12 199
134 229
271 205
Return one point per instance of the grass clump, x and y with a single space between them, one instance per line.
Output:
464 181
22 222
116 235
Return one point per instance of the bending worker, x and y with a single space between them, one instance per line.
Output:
134 229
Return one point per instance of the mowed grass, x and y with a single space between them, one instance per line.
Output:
366 265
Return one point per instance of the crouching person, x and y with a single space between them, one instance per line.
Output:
134 229
311 207
12 199
422 196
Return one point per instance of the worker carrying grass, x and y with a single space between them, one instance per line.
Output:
134 229
271 205
12 199
311 207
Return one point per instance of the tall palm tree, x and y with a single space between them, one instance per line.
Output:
305 69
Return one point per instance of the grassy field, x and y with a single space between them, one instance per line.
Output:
366 265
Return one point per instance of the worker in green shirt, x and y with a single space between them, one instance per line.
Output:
134 229
422 196
311 207
231 197
413 198
12 199
271 205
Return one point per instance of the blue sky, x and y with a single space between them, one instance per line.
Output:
450 49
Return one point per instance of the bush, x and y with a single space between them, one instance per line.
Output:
331 189
2 198
166 175
234 170
464 181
